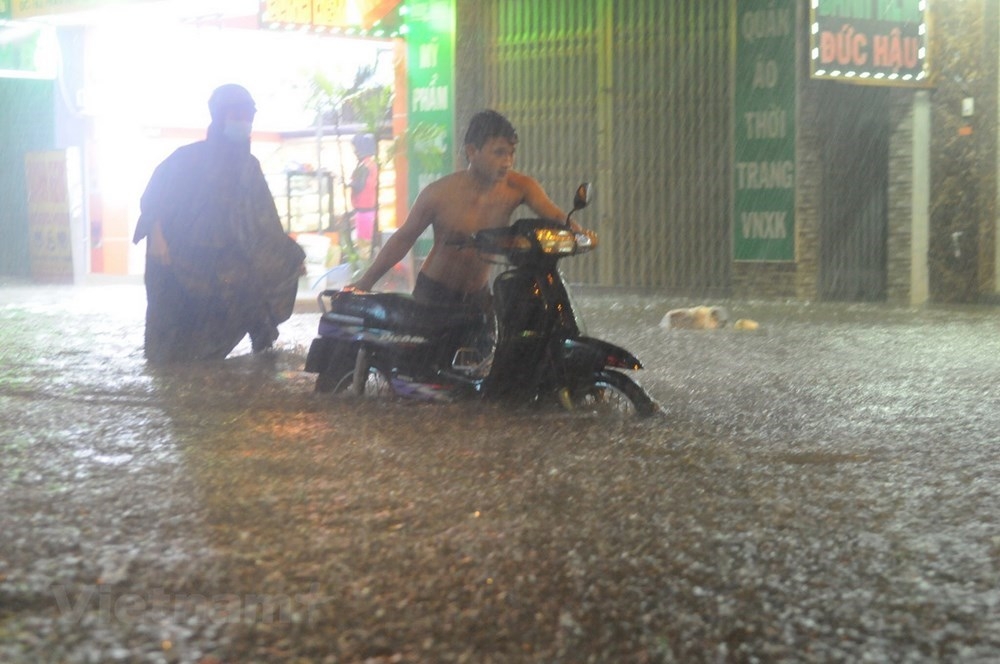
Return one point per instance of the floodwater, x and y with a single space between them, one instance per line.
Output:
821 489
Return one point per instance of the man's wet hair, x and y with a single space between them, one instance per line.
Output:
488 124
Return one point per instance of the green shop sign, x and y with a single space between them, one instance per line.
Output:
430 46
870 41
28 50
764 132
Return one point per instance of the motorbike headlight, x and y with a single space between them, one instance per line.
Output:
553 241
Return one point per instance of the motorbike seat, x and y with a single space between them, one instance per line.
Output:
400 313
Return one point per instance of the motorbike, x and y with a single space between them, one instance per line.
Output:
528 349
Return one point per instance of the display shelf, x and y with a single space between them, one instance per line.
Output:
308 201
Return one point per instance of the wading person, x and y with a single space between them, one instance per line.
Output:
484 195
219 265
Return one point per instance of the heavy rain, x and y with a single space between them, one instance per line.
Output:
818 486
822 488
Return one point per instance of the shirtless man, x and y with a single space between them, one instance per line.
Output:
456 206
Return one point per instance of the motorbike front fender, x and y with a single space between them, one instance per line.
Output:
600 353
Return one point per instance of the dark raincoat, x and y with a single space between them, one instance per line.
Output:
232 270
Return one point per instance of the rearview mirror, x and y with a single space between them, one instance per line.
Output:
582 197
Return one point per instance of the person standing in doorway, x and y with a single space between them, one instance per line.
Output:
364 189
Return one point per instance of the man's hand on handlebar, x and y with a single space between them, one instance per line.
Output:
352 288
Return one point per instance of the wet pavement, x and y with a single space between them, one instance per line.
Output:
822 489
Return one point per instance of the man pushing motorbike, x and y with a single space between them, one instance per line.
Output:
482 196
520 343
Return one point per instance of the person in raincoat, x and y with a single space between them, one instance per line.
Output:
219 265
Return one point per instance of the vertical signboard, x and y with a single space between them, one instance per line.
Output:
764 131
55 215
22 52
431 101
877 41
27 49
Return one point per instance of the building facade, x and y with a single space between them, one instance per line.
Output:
877 188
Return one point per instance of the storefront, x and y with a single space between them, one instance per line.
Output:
121 85
831 165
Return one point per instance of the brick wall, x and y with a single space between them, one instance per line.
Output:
963 207
900 230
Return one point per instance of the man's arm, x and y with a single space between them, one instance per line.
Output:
536 199
539 202
399 243
149 226
158 247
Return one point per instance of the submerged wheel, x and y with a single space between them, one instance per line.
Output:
339 366
339 378
614 394
333 382
375 385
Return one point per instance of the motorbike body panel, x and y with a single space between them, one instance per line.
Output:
532 311
533 302
406 340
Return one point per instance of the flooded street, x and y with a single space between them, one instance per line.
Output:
822 489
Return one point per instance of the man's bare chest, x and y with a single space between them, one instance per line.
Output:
468 214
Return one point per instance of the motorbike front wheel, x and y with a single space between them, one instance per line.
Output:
614 394
350 373
339 364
